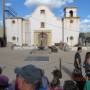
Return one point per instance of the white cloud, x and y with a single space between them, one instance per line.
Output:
88 16
85 21
51 3
8 4
85 24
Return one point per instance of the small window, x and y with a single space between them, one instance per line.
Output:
42 11
42 25
71 38
13 21
13 38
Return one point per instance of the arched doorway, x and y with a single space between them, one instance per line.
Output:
71 13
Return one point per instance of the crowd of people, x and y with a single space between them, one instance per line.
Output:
31 77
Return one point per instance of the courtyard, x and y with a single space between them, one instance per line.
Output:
10 59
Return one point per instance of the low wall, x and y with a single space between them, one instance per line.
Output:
84 48
23 48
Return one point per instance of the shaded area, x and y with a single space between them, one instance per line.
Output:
1 30
37 58
66 70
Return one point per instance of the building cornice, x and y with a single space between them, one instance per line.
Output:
71 7
71 18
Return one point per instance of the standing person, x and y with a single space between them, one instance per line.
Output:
87 64
87 71
28 78
77 74
77 61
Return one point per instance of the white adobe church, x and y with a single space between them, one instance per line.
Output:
43 27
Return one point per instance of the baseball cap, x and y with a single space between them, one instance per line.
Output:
29 73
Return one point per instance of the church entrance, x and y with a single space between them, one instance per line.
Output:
42 38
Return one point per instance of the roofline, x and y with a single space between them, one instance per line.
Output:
69 7
47 8
15 18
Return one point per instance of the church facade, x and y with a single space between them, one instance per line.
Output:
44 28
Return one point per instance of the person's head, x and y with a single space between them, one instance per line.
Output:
79 49
28 77
70 85
4 82
57 74
87 58
0 70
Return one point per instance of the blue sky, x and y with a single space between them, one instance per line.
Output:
26 7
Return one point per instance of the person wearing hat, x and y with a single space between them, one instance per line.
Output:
28 78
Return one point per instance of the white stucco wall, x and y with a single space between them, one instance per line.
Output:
71 26
51 23
71 29
17 30
23 29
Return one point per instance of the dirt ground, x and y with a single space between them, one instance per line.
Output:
10 59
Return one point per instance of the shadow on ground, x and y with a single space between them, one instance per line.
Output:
66 70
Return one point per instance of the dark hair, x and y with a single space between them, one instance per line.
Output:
86 57
57 73
0 70
70 85
79 48
4 87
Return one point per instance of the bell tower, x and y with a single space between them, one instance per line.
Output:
70 12
71 26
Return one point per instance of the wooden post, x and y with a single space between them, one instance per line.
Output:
4 27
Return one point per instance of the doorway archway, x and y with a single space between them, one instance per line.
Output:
42 38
